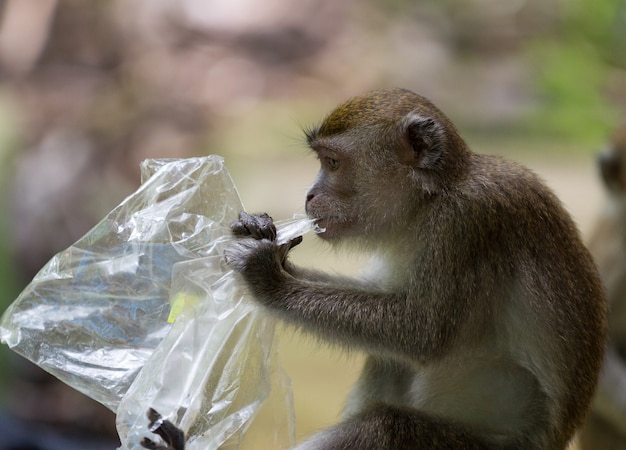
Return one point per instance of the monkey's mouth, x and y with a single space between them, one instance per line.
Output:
329 227
317 228
324 222
320 225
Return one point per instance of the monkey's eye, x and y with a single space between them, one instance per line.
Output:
331 163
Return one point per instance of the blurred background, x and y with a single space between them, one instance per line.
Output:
90 89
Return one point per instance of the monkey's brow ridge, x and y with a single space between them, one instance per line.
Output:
311 133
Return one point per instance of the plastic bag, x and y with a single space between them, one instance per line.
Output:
142 312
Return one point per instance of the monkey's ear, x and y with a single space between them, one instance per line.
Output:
424 141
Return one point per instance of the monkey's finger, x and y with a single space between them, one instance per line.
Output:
171 434
295 241
150 444
153 416
244 226
258 226
282 250
265 226
239 229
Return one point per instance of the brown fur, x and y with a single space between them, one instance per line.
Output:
482 312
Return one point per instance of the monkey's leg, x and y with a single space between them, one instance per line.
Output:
385 427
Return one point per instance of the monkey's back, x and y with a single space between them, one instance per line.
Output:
557 315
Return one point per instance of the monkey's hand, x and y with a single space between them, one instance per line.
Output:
261 260
258 226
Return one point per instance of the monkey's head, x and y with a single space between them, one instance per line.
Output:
384 155
612 162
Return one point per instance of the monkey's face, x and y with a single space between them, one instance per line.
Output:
331 198
364 189
381 156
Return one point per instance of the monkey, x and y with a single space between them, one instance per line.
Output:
605 427
481 313
173 437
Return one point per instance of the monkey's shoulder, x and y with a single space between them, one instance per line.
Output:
503 204
503 183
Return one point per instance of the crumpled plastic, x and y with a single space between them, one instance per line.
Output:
143 312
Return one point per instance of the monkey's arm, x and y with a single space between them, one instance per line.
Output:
348 310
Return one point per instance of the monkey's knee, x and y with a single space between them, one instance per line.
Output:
386 427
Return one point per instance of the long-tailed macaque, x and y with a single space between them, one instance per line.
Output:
605 427
482 313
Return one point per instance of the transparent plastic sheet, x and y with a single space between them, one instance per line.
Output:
96 316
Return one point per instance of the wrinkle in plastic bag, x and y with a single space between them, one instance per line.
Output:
96 316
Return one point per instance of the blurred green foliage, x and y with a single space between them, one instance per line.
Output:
576 50
602 23
9 284
574 68
571 80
